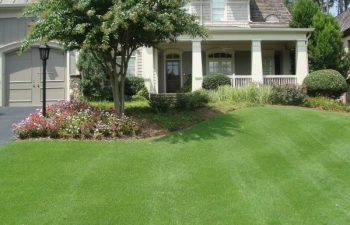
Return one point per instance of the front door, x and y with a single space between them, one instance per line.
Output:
173 72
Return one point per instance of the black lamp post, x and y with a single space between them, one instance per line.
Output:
44 56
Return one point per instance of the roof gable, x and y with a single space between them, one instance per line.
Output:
260 10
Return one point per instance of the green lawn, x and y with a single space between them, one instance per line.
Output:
265 165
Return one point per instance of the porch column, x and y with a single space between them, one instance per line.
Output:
257 68
147 71
302 62
155 71
197 68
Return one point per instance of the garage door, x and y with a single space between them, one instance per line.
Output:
23 74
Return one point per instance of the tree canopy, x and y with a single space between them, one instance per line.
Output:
111 30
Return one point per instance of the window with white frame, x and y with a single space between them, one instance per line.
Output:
220 63
131 65
218 10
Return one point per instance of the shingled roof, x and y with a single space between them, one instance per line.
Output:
344 21
260 10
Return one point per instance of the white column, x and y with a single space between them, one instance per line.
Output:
257 67
2 79
69 92
148 66
302 62
197 68
155 70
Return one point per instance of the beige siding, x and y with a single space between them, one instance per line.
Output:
13 30
139 62
236 11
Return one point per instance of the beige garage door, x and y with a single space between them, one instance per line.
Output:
23 74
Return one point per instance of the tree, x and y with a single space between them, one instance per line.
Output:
326 49
303 13
111 30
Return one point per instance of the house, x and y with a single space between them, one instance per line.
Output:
249 41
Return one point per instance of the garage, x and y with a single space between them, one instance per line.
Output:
23 78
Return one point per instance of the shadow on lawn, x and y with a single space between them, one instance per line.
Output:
226 125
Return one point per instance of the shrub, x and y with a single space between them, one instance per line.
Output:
75 120
327 83
133 85
214 81
251 94
161 103
143 92
326 104
288 94
191 101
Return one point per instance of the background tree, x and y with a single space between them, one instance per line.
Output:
303 13
326 49
325 45
111 30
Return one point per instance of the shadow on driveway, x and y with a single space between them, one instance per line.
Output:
8 116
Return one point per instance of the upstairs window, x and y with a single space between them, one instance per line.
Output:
218 10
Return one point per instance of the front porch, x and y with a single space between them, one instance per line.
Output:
254 61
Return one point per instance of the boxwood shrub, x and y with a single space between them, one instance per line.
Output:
213 81
327 83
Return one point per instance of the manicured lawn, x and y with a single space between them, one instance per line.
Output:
266 165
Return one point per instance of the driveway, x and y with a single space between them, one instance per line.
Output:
8 116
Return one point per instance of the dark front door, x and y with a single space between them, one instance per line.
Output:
173 76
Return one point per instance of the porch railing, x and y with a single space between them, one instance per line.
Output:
244 80
280 79
240 80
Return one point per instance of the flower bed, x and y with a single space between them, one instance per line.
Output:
77 120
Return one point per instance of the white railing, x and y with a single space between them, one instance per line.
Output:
280 79
244 80
240 80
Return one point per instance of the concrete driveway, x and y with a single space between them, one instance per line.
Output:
8 116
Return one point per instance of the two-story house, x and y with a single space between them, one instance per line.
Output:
249 40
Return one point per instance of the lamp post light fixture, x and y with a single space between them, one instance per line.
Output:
44 56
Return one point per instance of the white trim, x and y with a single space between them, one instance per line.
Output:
167 52
218 50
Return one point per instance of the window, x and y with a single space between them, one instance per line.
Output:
131 65
218 10
220 63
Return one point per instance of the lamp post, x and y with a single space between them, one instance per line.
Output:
44 56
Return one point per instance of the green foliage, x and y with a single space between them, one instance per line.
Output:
143 92
191 101
161 103
326 49
303 13
133 85
213 81
288 95
327 83
94 85
251 94
110 29
326 104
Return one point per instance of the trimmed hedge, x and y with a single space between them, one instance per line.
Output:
213 81
288 94
180 102
327 83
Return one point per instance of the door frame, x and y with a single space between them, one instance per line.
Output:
168 52
16 46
